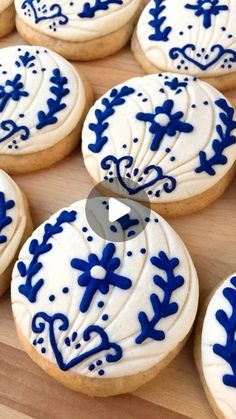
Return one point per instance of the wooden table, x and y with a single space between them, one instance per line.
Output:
25 390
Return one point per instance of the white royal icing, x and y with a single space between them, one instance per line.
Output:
76 21
12 219
5 4
41 99
66 288
215 340
160 131
196 37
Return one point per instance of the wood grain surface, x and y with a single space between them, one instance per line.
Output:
25 390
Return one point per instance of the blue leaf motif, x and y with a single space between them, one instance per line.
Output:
160 33
89 10
166 307
36 249
5 220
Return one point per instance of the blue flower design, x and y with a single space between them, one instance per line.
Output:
207 9
175 84
99 275
163 122
11 90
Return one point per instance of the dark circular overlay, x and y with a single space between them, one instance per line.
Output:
126 227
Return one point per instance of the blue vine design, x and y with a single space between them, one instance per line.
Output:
12 128
36 249
90 11
168 187
5 220
62 323
160 33
26 60
228 351
54 105
220 51
40 12
226 140
164 308
116 99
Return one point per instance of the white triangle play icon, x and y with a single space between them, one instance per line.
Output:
117 210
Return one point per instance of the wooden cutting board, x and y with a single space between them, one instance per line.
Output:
25 390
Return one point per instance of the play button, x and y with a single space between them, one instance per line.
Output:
116 217
117 209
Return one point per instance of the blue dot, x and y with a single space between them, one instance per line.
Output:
140 94
124 145
100 304
181 33
105 317
110 180
161 90
105 177
156 220
223 28
91 367
149 192
113 229
43 350
52 297
89 238
104 202
84 229
230 36
190 26
172 158
206 102
178 67
99 362
101 372
182 62
143 251
77 346
34 342
65 290
21 115
145 100
131 233
167 150
147 219
193 106
129 253
135 140
40 340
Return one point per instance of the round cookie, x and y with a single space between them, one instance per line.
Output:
84 30
7 17
194 37
15 226
43 102
173 135
215 354
103 317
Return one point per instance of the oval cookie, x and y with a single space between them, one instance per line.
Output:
173 135
7 17
81 30
103 317
42 105
15 226
215 349
195 37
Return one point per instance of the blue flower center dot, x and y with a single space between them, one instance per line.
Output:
101 372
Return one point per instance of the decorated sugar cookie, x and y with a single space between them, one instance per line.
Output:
174 135
7 17
43 102
15 226
215 349
103 317
83 30
195 37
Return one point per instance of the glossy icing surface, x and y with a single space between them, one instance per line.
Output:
174 135
115 309
41 99
196 37
218 347
12 219
76 21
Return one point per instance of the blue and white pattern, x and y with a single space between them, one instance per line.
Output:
94 317
202 42
165 149
76 21
218 355
12 220
39 92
